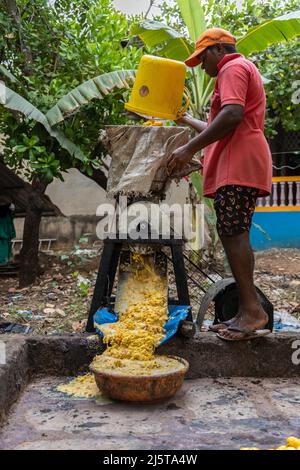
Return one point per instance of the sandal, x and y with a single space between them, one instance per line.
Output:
248 334
220 326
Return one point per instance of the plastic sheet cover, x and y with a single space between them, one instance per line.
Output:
176 313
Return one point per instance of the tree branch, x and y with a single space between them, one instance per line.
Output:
150 6
14 12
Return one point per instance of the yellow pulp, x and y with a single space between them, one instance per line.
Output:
152 122
292 443
157 366
133 339
83 386
141 325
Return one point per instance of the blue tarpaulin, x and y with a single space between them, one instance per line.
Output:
176 313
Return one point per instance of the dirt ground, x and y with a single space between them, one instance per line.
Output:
60 299
277 273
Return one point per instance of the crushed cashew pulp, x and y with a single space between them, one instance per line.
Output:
83 386
292 443
132 340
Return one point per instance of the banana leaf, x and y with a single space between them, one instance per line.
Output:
95 88
14 102
210 216
174 45
194 18
6 73
197 181
280 29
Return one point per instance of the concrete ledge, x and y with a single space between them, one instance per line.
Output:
14 375
209 356
67 354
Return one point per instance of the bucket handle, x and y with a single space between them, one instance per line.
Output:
187 96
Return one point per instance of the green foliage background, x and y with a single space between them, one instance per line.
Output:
51 50
52 47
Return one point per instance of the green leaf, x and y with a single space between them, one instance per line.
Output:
154 33
6 73
193 15
280 29
266 80
95 88
197 181
174 44
14 101
21 148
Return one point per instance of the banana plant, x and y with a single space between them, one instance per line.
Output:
174 45
7 74
96 88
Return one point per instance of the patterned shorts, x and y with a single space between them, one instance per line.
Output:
234 206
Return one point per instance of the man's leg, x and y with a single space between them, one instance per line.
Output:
234 207
240 256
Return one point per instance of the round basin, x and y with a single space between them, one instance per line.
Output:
145 388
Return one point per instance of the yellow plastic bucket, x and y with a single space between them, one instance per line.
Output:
159 89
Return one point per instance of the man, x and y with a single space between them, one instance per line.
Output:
237 165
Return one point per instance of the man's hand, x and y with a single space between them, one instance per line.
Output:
178 159
184 119
189 120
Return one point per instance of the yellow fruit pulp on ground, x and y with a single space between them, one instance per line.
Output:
292 443
83 386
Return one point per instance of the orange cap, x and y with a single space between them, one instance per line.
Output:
210 37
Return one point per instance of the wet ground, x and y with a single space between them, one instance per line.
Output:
205 414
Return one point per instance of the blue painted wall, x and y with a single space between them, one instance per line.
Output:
283 228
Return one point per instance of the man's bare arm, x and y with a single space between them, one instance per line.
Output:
225 122
196 124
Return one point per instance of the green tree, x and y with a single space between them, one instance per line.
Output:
47 49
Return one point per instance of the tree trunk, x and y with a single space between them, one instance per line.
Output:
29 268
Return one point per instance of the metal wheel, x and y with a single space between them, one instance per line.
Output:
224 293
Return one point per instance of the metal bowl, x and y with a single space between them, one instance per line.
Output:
142 388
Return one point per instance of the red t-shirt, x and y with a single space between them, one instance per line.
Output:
243 157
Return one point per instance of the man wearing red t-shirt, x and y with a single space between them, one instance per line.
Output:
237 165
